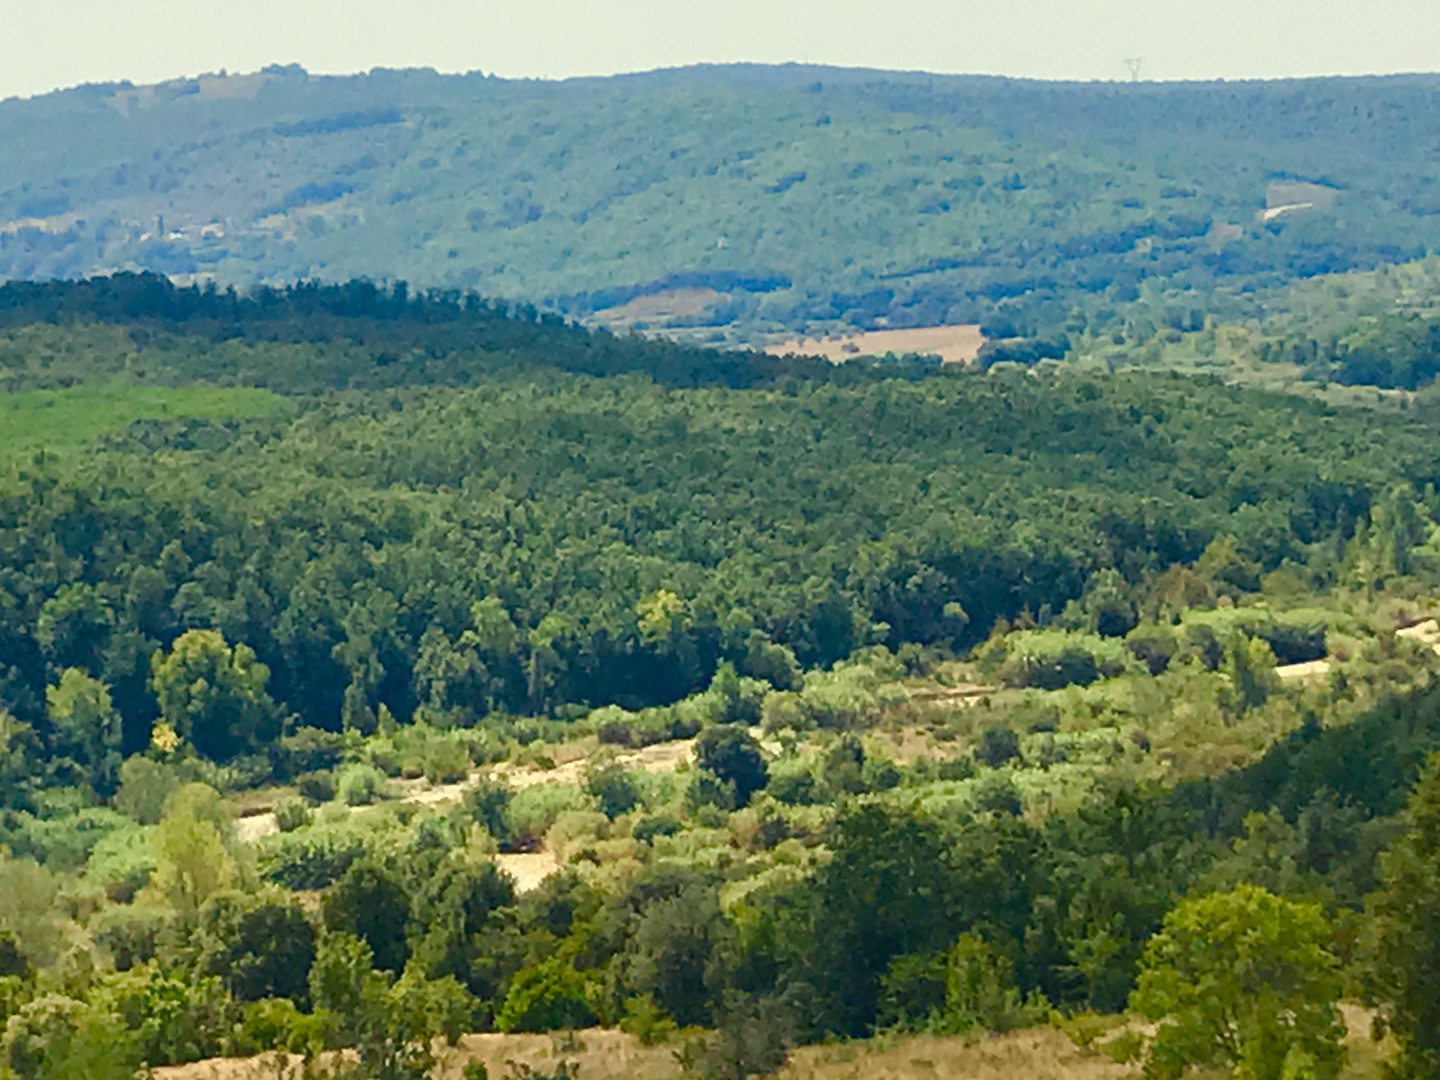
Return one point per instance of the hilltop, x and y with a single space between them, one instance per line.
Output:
789 199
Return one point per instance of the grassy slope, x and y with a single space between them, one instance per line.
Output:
60 422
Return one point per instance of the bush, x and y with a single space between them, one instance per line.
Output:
292 814
144 787
486 804
446 762
1054 659
361 785
547 996
276 1024
794 788
614 789
532 810
980 991
121 863
131 933
961 768
733 756
1153 646
645 831
311 859
308 750
997 746
316 787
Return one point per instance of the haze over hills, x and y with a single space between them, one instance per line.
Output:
789 199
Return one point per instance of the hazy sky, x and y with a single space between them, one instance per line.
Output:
58 43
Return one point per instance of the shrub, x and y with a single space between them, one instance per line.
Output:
446 761
1153 646
276 1024
131 933
614 789
1053 659
961 768
646 830
997 746
311 859
533 810
980 991
794 788
316 787
547 996
999 797
292 814
144 787
361 785
486 803
308 750
733 756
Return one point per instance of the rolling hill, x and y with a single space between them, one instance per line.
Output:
791 199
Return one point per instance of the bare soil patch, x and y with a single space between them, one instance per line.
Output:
953 344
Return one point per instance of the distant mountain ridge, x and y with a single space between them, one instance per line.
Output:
807 198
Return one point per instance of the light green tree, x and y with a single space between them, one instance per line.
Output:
192 860
86 726
213 694
1245 981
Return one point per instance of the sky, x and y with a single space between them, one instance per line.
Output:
59 43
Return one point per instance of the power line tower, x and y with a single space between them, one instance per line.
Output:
1134 63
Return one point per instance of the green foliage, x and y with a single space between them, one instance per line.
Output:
647 1021
614 789
980 991
371 905
1408 917
1051 659
58 1038
192 860
1243 980
292 814
545 997
213 695
145 785
733 757
86 726
260 948
360 784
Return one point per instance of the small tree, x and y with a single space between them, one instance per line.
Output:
732 754
191 859
1408 917
86 726
1243 980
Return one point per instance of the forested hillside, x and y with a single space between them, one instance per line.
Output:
380 665
796 198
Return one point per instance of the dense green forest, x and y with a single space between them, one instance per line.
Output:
885 697
805 198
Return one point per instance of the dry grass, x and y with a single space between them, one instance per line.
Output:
953 344
1034 1054
1040 1053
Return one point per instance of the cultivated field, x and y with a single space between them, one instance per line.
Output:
953 344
